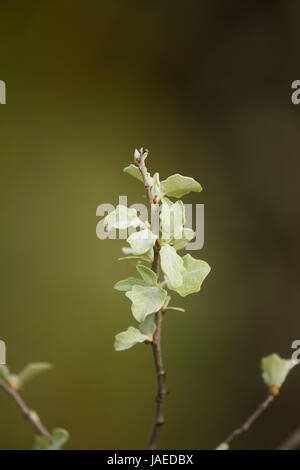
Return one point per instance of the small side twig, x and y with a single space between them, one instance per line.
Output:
291 442
253 417
29 414
156 344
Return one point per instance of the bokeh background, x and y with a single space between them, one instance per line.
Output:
206 85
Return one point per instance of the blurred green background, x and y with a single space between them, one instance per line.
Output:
206 86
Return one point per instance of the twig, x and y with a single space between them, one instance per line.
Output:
29 414
253 417
291 442
156 344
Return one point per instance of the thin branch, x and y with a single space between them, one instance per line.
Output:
291 442
156 344
29 414
253 417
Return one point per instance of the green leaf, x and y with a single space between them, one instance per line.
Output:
122 218
4 372
187 235
178 185
127 284
133 171
42 443
223 446
60 437
172 266
32 370
141 241
172 220
178 309
275 370
146 300
147 274
196 271
148 326
127 339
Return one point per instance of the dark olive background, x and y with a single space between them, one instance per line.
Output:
206 85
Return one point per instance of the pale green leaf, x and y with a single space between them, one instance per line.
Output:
178 185
42 443
59 437
130 337
122 218
178 309
187 235
141 241
196 271
147 274
133 171
148 326
172 266
145 300
127 284
275 370
223 446
32 370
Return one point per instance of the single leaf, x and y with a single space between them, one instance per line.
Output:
141 241
122 218
32 370
178 185
133 171
223 446
127 339
172 266
148 326
127 284
146 300
147 274
42 443
187 235
178 309
172 220
275 370
59 437
196 271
